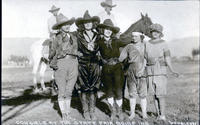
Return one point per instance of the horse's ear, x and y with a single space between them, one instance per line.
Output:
146 15
142 15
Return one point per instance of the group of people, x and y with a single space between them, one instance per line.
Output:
90 58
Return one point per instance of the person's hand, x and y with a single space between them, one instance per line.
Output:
114 63
104 61
140 73
80 54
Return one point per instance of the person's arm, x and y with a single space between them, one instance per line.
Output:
54 46
122 42
134 55
168 61
123 54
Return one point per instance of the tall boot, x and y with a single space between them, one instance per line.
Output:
132 106
113 112
62 108
84 101
119 109
144 108
67 110
92 104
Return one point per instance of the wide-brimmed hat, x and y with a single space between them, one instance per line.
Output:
54 8
108 24
108 3
62 20
156 27
87 18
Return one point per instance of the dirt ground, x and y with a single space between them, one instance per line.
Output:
20 105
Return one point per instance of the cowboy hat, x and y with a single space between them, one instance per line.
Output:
54 8
156 27
62 20
108 3
87 18
108 24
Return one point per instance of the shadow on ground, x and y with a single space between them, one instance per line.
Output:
24 102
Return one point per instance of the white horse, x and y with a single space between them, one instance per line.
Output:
38 50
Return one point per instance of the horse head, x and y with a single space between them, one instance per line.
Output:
141 25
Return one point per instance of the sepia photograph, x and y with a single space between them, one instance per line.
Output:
100 62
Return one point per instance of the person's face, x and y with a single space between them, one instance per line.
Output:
136 38
65 28
108 9
88 26
155 34
107 32
55 13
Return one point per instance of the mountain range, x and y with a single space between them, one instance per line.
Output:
21 46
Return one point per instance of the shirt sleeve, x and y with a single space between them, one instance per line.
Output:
122 43
54 46
51 22
113 19
123 54
134 55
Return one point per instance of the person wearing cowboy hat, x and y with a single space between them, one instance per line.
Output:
112 73
64 61
106 14
89 69
157 55
52 33
52 20
136 84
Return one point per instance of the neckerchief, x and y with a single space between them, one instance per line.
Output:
90 41
66 37
108 43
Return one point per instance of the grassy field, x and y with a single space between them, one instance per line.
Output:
19 104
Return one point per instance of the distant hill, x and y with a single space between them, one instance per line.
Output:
183 46
16 46
21 46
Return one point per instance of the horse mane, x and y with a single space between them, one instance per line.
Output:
133 26
130 28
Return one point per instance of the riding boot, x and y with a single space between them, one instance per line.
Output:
132 107
92 102
120 113
113 112
84 101
67 110
62 109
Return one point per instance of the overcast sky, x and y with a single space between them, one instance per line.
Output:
28 18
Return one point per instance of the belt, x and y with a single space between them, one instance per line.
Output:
152 62
161 64
111 61
68 56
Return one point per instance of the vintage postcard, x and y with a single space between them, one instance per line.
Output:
100 62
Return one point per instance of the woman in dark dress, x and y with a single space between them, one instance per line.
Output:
89 69
112 72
